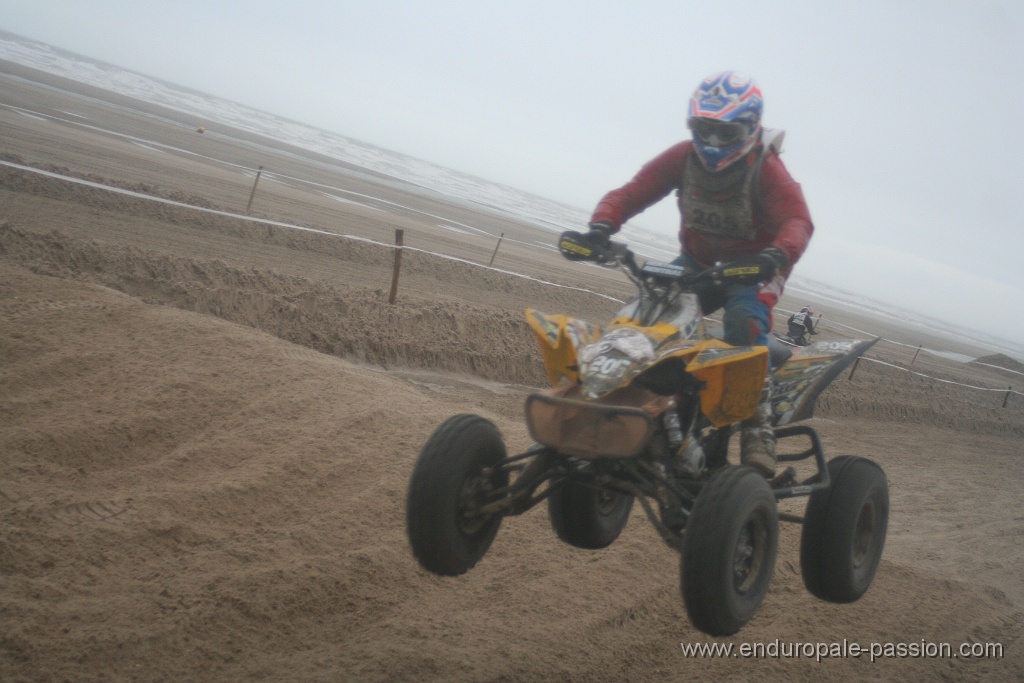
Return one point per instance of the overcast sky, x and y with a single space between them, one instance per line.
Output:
903 118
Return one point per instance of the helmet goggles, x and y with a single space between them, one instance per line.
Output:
716 133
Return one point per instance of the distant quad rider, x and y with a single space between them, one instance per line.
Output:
738 205
802 323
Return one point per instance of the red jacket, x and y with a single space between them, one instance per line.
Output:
782 220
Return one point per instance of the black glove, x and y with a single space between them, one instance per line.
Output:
600 233
593 245
773 258
755 268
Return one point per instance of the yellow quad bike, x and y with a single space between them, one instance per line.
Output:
643 411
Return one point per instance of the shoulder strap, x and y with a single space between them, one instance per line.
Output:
771 141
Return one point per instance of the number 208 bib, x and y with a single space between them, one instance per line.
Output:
719 204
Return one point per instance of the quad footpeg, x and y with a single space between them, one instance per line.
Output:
787 477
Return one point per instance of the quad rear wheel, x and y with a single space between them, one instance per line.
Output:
729 549
588 517
844 530
458 467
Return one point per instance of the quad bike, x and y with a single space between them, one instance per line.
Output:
793 339
800 338
644 411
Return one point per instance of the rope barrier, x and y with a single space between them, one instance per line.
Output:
280 224
934 362
939 379
999 367
1005 392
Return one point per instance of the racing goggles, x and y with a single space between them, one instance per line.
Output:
718 133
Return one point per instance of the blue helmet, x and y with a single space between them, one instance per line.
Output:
725 117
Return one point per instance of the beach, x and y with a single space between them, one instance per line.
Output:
209 413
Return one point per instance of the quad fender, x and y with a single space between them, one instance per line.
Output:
560 337
797 384
734 380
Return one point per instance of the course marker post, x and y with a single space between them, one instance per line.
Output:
854 368
398 265
253 193
496 250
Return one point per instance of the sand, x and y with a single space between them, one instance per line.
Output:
207 427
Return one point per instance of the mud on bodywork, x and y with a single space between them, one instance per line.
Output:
798 383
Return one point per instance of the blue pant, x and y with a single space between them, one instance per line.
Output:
745 317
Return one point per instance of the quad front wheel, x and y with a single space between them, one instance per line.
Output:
844 530
729 549
458 467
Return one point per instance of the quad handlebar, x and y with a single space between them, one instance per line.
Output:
577 246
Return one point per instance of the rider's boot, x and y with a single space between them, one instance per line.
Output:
757 439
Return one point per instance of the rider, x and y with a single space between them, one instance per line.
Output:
738 203
801 322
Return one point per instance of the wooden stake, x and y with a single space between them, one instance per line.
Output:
253 193
915 355
854 368
398 265
496 250
1007 397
